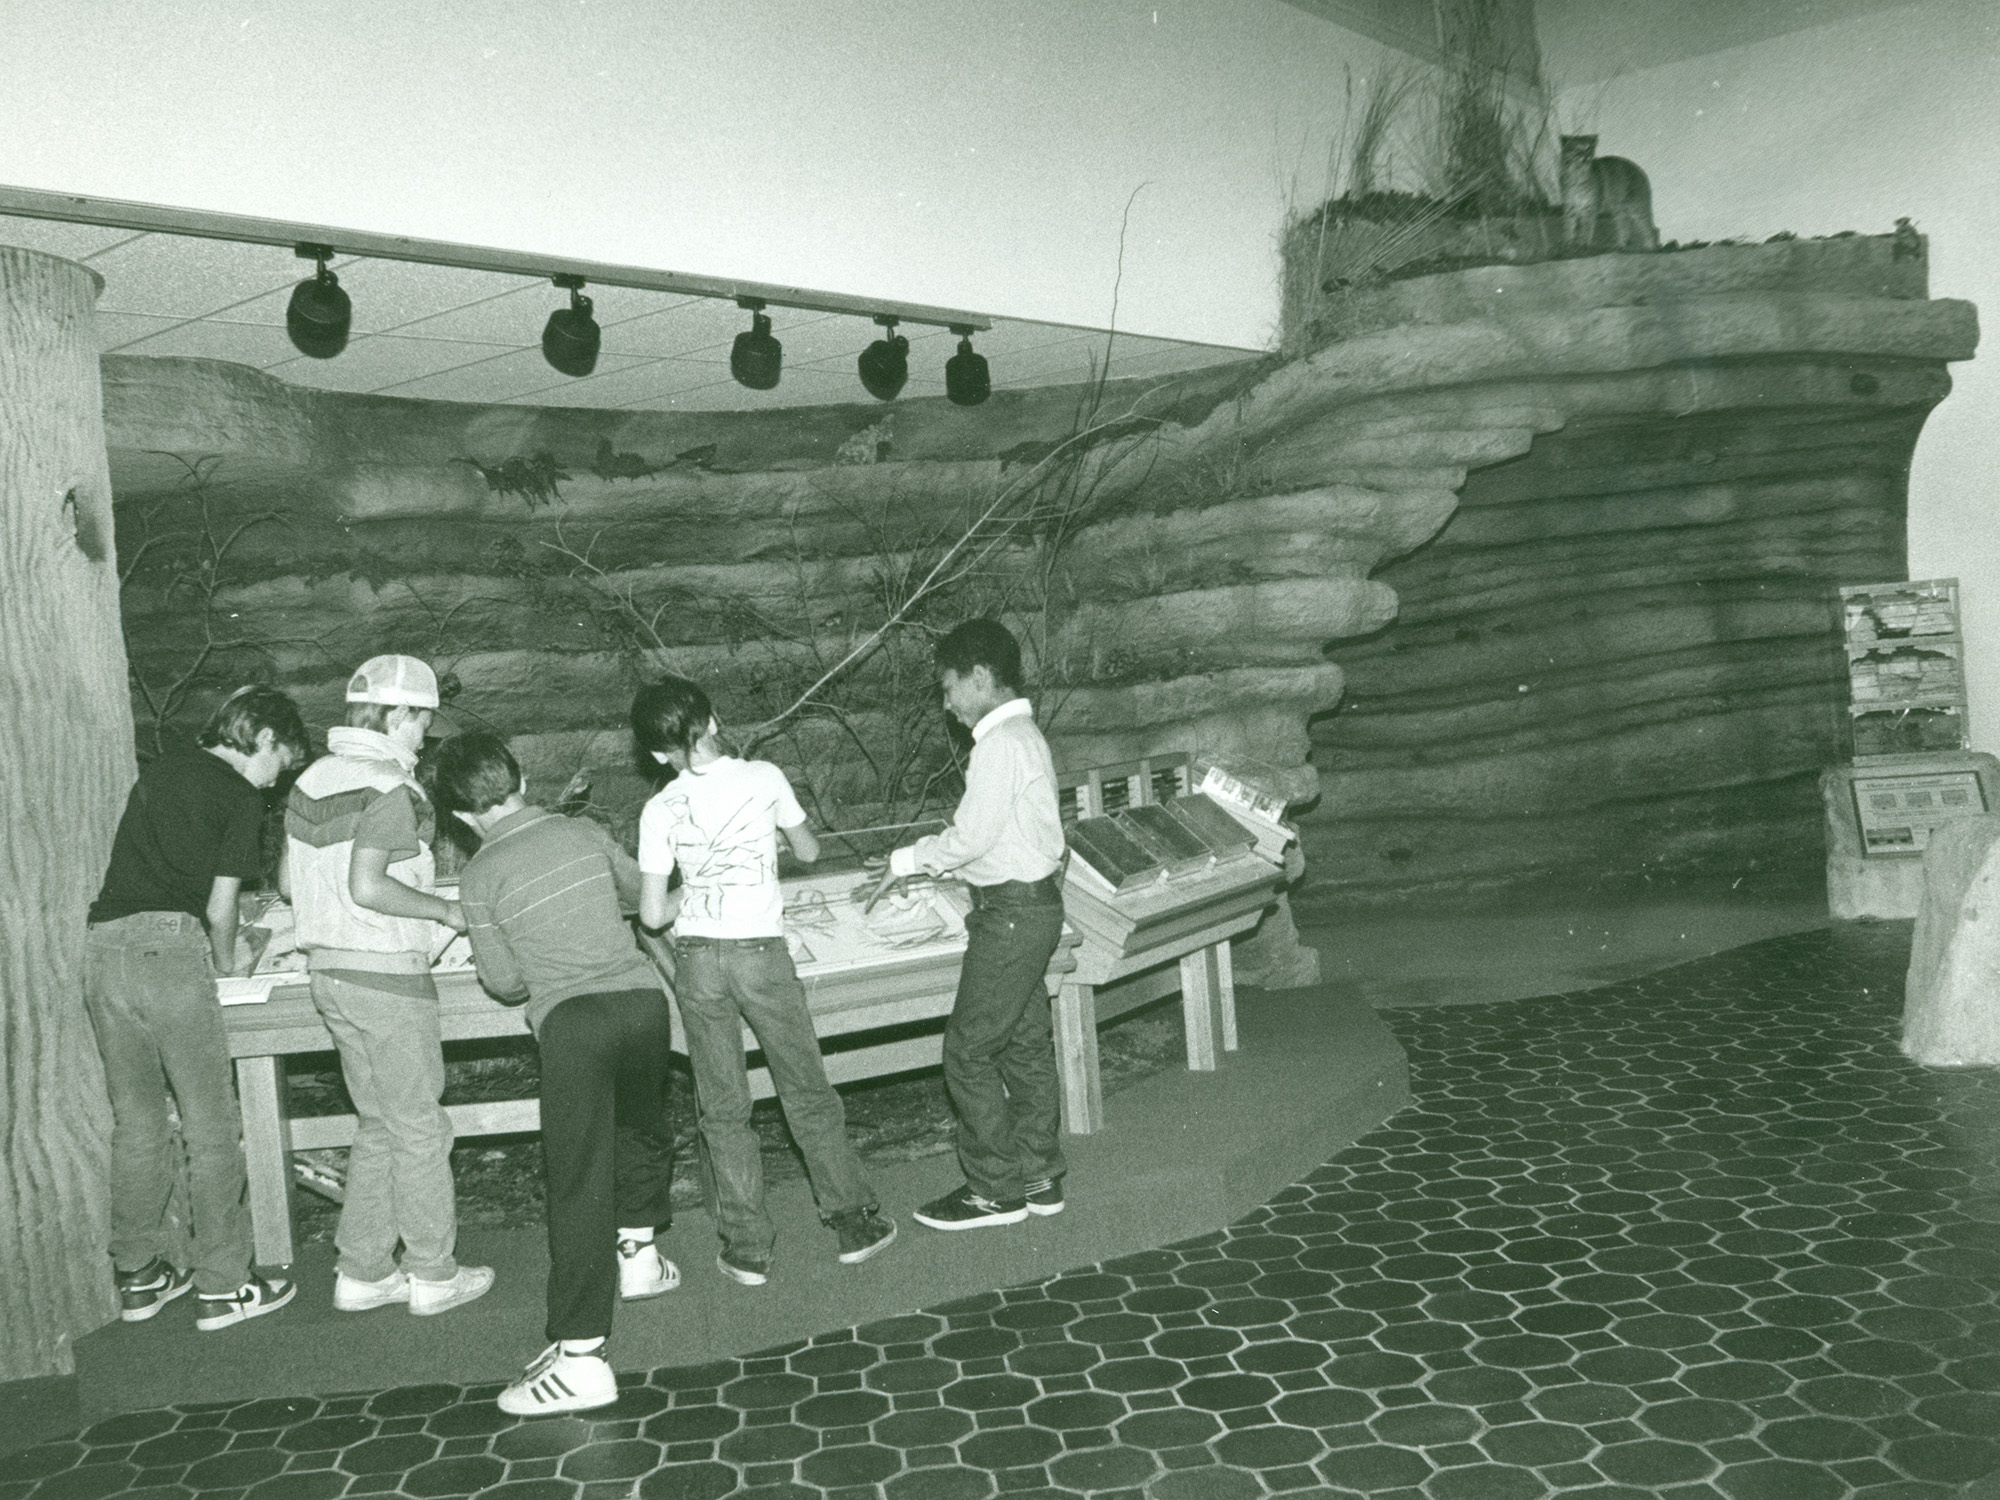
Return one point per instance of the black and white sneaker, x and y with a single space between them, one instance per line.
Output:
557 1382
143 1292
253 1299
1044 1196
742 1268
962 1208
863 1232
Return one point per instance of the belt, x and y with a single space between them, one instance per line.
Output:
157 921
1018 892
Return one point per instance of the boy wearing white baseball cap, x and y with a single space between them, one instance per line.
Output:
363 884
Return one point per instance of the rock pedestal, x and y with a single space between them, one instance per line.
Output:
1951 1000
1888 886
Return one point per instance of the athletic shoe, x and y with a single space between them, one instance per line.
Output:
743 1268
557 1382
961 1208
1045 1196
429 1298
644 1272
253 1299
863 1232
144 1292
352 1294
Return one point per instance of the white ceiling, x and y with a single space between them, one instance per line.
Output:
444 334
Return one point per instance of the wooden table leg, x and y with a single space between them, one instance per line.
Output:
1200 980
1076 1059
1225 994
262 1093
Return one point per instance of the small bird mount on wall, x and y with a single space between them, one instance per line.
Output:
534 479
609 463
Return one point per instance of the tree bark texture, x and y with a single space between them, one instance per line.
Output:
66 763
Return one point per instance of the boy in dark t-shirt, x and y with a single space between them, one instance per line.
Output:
162 928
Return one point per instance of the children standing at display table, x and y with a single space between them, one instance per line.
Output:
544 899
161 930
369 920
1006 842
718 822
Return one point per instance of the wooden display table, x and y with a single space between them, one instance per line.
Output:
854 985
1141 944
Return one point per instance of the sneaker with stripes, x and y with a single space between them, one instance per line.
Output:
558 1382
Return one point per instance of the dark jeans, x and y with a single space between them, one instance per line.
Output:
607 1151
999 1045
721 984
149 987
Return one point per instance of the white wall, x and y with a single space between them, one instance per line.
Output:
1890 109
946 151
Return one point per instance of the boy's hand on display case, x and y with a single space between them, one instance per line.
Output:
885 877
454 916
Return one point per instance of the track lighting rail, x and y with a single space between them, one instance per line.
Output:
117 213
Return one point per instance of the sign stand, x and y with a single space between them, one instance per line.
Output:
1912 772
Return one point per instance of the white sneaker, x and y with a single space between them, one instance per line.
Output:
644 1272
352 1294
429 1298
557 1382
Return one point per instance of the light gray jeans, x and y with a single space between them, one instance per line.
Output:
720 984
149 987
399 1168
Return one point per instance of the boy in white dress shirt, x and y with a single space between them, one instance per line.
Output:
1006 842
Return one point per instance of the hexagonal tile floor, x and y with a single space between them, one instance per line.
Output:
1703 1234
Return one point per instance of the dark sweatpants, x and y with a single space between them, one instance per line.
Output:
999 1045
607 1150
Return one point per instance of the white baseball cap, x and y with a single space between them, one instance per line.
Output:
396 680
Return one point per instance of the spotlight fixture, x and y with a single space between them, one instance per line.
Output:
756 357
967 381
319 313
885 364
571 338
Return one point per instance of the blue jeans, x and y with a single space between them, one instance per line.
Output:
399 1168
721 984
149 987
999 1045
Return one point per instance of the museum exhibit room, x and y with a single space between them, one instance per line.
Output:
902 750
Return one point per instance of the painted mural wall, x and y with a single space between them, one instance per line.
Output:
1609 496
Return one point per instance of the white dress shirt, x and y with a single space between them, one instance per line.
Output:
1007 826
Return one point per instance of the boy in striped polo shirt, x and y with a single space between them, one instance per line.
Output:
543 899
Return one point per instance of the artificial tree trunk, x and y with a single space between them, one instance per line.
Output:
66 750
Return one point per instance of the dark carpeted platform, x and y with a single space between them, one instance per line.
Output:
1703 1234
1183 1153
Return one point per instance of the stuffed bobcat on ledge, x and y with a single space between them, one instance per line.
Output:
1596 188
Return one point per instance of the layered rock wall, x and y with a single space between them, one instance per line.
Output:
1621 659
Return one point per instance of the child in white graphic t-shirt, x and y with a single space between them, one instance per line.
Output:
718 823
